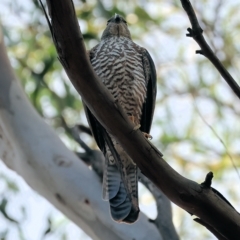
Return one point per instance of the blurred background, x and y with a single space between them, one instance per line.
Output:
196 124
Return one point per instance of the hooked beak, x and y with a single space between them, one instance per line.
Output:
117 18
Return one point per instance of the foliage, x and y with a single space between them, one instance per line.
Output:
195 125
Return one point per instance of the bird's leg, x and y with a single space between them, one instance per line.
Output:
132 119
137 126
147 136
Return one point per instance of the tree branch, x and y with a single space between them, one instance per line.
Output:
196 33
192 197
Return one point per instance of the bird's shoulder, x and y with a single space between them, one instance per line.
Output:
125 44
92 51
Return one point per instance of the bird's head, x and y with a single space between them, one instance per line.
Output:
116 26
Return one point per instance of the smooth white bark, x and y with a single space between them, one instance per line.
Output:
32 149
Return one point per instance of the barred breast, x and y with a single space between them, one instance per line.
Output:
118 62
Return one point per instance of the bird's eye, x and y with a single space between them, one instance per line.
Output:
108 21
124 21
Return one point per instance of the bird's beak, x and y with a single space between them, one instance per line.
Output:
117 18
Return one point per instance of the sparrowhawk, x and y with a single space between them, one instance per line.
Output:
128 71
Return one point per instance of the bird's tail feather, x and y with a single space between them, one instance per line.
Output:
120 183
123 205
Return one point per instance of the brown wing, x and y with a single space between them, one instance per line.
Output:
149 104
97 130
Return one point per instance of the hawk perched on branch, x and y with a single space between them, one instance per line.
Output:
127 70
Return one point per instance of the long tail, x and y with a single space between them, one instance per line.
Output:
120 183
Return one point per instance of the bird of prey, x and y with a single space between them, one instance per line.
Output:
128 71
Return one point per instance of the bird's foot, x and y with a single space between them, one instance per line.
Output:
148 136
132 119
137 127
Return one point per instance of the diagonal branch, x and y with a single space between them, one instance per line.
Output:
196 33
194 198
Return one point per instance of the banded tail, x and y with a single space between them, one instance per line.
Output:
120 178
120 188
120 182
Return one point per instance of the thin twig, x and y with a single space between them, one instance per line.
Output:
196 33
217 136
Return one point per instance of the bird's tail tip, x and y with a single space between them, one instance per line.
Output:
130 218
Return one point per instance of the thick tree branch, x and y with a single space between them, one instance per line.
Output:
32 149
196 33
192 197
